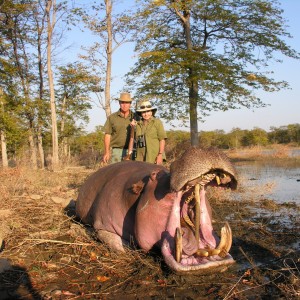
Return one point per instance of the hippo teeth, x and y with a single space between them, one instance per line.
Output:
226 240
207 252
222 249
178 244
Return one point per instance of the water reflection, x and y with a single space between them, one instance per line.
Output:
282 178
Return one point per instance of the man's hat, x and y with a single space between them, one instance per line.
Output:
146 106
125 97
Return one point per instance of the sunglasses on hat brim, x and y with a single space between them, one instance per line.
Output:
145 106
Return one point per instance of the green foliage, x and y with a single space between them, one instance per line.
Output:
255 137
213 139
238 138
75 84
176 137
88 142
285 134
202 56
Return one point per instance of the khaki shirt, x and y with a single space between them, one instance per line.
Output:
154 132
119 128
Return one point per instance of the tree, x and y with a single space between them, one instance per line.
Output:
75 84
39 17
16 20
294 132
234 138
51 20
255 137
213 139
2 132
200 56
285 134
113 32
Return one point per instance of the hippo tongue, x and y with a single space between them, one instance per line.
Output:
202 235
189 243
205 222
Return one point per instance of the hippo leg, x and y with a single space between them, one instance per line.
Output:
112 240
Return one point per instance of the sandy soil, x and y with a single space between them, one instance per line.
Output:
47 254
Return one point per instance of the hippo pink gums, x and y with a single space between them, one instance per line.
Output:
146 205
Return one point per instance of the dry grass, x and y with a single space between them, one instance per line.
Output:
52 256
258 152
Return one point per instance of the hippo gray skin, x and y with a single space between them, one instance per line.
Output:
145 205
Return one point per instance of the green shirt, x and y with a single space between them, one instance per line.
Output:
119 128
153 132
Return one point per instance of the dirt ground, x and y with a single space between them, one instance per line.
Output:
46 254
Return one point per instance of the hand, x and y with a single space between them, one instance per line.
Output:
106 158
127 157
133 122
159 159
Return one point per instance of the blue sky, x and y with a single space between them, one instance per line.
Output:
284 106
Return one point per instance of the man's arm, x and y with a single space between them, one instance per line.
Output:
106 155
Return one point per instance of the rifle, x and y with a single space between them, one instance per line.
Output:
132 140
136 117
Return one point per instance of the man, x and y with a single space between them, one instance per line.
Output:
117 131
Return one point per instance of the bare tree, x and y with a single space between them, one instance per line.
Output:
2 134
113 32
108 4
39 16
51 20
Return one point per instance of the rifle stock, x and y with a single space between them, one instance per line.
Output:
136 117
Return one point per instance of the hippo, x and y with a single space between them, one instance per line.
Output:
143 205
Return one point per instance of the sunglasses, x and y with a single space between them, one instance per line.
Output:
145 106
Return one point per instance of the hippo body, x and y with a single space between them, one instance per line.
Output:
108 200
141 204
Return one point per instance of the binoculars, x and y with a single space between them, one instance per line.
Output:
141 141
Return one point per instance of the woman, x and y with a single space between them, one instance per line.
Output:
150 135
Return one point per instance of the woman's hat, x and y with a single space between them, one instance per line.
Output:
125 97
146 106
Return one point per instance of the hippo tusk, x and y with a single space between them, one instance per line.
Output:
226 240
202 252
212 252
178 244
197 212
229 238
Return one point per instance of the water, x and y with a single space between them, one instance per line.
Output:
276 180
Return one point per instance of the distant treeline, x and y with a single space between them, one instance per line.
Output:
239 138
87 148
89 145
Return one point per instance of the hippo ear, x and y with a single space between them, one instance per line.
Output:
138 187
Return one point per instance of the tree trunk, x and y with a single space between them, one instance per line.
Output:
41 149
193 96
193 84
62 127
55 158
2 134
33 158
108 4
3 150
40 29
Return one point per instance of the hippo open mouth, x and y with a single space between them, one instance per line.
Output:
195 246
189 243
